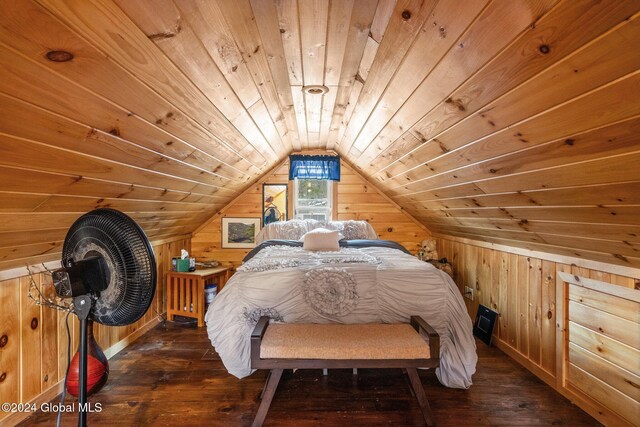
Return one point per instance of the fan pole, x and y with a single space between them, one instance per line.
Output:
82 305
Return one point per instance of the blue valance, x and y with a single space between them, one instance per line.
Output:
314 167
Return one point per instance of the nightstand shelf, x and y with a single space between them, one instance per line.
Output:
185 291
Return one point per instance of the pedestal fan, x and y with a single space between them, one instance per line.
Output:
109 269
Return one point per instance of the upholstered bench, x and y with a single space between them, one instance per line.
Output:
281 346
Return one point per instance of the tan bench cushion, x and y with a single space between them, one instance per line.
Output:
337 341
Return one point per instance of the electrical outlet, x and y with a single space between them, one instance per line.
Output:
468 293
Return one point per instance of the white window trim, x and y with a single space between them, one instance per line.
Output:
330 197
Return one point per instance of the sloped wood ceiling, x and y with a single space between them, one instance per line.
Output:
514 121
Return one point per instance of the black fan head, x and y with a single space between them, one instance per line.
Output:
130 261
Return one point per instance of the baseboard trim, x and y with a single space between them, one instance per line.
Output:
545 376
120 345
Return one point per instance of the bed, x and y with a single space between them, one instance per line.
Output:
365 281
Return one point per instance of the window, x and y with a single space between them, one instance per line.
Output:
312 178
312 199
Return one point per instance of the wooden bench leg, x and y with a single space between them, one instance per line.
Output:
269 391
264 388
416 385
406 378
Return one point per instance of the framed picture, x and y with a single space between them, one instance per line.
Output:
485 321
274 203
239 232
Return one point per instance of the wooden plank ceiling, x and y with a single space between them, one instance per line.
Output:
514 122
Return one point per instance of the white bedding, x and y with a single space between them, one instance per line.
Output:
350 286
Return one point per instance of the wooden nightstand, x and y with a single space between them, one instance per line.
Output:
185 291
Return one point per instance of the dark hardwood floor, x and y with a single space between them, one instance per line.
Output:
172 376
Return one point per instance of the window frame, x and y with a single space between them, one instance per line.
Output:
331 198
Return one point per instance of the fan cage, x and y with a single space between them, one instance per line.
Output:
119 239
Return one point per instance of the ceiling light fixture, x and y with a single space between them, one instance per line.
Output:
59 56
315 89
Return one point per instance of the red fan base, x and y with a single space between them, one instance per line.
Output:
97 367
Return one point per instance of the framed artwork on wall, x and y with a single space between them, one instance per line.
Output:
485 321
239 233
274 203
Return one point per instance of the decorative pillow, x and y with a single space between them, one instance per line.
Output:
355 230
321 239
288 230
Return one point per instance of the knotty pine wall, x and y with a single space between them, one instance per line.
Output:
356 199
34 359
524 288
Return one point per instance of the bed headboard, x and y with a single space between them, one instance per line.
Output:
296 228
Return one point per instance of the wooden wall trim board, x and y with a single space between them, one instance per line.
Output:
51 265
22 271
579 262
538 245
600 286
544 300
157 242
34 360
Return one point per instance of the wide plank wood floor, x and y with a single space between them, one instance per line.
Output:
172 376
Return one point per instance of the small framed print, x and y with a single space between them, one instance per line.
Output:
239 232
485 321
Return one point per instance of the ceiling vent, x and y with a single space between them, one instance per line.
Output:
315 89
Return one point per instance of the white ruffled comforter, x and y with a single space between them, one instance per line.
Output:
350 286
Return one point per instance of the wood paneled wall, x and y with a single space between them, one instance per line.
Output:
356 199
601 354
526 289
33 360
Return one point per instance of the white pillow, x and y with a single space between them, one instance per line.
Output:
321 239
